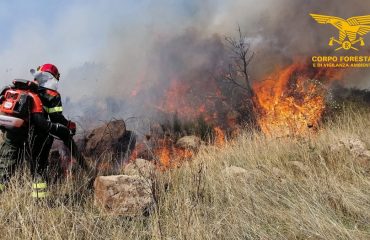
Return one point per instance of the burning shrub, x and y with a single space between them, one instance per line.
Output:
292 100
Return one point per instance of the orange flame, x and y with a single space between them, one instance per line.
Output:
219 137
193 99
170 156
292 100
164 157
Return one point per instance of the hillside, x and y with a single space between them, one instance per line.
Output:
310 187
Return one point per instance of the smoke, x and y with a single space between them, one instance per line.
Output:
289 33
167 41
117 59
183 45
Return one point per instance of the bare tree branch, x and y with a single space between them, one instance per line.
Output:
242 57
237 73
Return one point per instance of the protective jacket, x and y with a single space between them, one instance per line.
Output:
25 141
53 110
52 104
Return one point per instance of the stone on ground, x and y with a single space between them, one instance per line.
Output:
140 167
123 195
105 138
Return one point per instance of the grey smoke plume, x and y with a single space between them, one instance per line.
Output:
170 46
118 63
288 33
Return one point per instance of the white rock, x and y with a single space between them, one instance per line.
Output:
354 145
123 195
140 167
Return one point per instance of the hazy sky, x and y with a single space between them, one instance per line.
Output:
72 33
67 33
55 30
104 47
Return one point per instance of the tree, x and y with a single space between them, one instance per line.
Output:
237 74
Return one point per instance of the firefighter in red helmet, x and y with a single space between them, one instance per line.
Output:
47 76
48 67
22 121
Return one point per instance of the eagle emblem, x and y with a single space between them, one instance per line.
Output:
351 30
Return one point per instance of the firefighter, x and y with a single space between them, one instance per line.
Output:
22 121
47 76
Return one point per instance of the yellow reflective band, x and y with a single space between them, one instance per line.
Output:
39 185
40 194
2 187
54 109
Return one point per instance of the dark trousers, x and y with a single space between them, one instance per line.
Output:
34 150
40 155
45 151
10 157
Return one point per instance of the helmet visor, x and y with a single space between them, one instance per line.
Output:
46 80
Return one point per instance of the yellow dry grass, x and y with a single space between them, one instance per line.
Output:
328 197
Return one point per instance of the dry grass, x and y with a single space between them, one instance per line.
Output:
329 198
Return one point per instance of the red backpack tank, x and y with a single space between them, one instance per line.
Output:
16 104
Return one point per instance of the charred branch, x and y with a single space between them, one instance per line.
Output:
242 56
238 75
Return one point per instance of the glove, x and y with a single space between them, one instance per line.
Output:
60 131
72 127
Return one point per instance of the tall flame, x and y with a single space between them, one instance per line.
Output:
219 137
292 100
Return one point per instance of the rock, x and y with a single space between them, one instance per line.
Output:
105 137
238 173
354 145
299 167
189 142
123 195
111 138
357 148
139 167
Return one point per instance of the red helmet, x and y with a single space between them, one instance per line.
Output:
49 68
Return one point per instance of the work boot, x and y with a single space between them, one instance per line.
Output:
39 189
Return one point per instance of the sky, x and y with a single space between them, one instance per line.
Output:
80 36
66 33
71 34
52 30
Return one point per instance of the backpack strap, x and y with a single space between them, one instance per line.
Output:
23 84
36 103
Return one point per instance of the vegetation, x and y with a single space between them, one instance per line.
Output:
326 197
